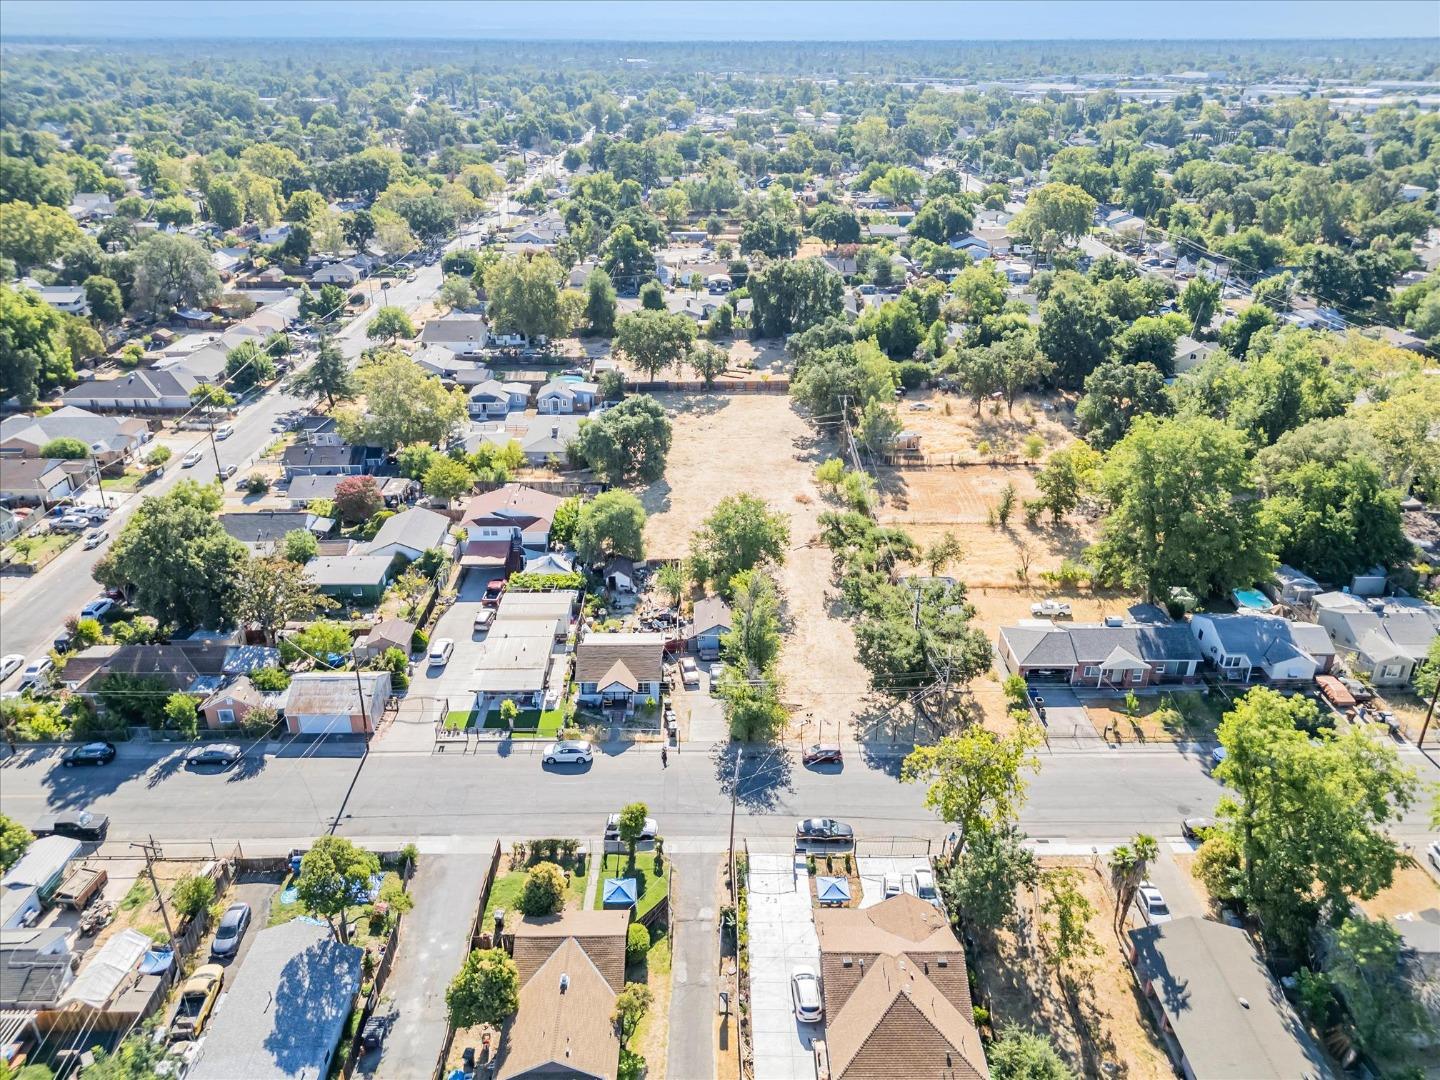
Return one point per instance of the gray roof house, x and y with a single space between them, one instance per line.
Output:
139 391
1190 353
283 1016
539 437
304 460
264 530
464 335
1246 647
492 398
1384 638
452 367
350 577
1222 1015
1128 655
710 620
110 438
410 533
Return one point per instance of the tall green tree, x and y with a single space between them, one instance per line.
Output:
1115 394
486 990
794 295
269 593
172 271
975 780
328 376
403 404
392 323
628 442
14 840
599 304
612 523
741 533
654 340
1308 814
524 296
176 558
1179 510
334 877
34 354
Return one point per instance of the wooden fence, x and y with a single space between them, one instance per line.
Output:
565 489
777 384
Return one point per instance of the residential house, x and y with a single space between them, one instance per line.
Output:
9 525
1408 192
275 234
515 663
69 299
303 459
544 232
1121 221
354 578
194 667
339 273
567 397
1219 1010
512 512
493 398
91 204
410 534
153 390
231 704
1292 587
1246 648
1385 639
463 335
316 430
304 490
571 968
385 635
111 439
885 230
621 670
1130 655
284 1012
1190 353
336 702
264 531
976 247
896 993
36 967
453 368
31 481
618 573
539 438
708 623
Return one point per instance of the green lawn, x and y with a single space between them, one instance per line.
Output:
38 550
505 893
649 884
530 724
130 480
459 720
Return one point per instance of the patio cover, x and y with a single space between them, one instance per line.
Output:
619 892
107 970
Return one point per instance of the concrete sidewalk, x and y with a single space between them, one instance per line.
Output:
695 960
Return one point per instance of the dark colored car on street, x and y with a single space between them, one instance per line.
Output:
94 753
214 754
823 831
823 754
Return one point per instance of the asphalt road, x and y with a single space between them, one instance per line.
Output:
33 610
1078 796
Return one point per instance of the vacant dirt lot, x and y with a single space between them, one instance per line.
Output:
728 444
1107 1033
948 425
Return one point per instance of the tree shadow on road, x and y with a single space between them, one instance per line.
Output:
764 778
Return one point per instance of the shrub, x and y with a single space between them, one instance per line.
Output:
259 721
544 890
270 679
256 484
419 641
637 943
193 895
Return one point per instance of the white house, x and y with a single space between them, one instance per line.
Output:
464 335
1248 648
337 274
67 298
1190 353
511 513
1383 638
493 398
567 397
620 670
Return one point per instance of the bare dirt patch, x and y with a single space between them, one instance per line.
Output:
1413 890
948 426
1109 1032
729 444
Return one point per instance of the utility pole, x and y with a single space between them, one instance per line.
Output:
215 451
150 849
1429 714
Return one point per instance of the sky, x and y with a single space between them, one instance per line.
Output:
724 20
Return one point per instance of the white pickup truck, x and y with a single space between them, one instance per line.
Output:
1050 609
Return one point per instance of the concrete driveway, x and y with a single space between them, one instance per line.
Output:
432 945
456 680
782 938
1065 714
707 714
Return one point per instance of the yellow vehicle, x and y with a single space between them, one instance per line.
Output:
197 999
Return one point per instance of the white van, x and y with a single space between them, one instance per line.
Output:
440 651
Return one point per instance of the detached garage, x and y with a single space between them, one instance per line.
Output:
336 703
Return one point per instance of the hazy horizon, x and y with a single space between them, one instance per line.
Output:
641 21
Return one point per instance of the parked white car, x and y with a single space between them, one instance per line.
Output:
9 664
1050 609
1152 904
568 753
37 672
441 649
94 538
191 459
805 992
224 431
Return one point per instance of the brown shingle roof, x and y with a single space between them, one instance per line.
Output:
512 501
600 933
897 1023
641 654
896 993
562 1027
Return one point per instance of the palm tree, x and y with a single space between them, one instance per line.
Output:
1128 866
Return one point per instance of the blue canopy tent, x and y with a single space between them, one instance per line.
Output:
832 890
619 892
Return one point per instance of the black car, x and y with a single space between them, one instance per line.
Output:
230 931
1195 828
824 831
823 754
214 754
76 824
94 753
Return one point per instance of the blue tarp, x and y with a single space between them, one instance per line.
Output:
832 890
619 892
